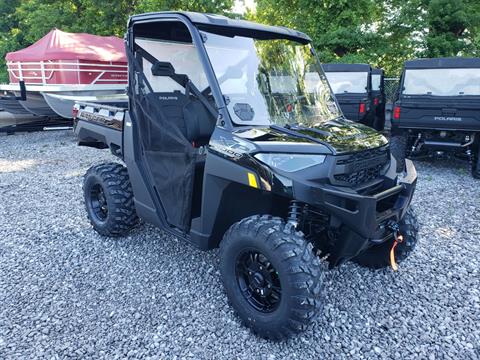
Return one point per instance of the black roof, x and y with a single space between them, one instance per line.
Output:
377 71
346 67
450 62
229 27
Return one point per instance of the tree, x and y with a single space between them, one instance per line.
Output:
340 29
24 22
383 33
453 27
208 6
401 30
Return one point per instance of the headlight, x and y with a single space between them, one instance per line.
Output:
290 162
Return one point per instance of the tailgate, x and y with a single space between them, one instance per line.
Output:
434 113
350 105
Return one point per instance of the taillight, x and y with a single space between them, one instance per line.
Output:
396 112
361 110
375 101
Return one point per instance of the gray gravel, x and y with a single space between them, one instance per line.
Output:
67 292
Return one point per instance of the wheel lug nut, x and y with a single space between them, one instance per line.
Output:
261 268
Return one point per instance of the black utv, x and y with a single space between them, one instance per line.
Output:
352 86
437 110
379 98
276 179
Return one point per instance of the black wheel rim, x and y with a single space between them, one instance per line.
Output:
98 202
258 281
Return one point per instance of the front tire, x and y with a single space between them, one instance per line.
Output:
398 148
108 198
378 256
271 275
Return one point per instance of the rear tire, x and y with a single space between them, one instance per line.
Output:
109 199
398 148
378 256
476 163
272 276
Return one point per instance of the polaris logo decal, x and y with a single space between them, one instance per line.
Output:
168 98
447 118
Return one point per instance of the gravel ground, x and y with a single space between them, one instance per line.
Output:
67 292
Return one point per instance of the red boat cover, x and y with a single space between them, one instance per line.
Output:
59 45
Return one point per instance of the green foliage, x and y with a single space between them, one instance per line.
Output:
25 21
342 30
452 27
208 6
383 33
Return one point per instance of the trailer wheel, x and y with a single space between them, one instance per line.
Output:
378 256
476 164
109 199
398 148
271 275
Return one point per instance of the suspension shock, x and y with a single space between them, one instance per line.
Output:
294 213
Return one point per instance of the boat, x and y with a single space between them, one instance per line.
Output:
62 68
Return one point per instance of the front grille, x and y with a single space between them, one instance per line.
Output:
362 176
362 167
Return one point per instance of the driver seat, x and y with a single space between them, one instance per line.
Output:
199 123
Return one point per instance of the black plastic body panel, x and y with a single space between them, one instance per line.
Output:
350 105
99 136
228 198
440 113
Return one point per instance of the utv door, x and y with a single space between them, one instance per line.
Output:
165 71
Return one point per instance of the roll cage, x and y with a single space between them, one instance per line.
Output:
196 23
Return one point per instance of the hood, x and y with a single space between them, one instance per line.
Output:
341 136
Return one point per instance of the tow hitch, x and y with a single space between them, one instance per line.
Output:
398 239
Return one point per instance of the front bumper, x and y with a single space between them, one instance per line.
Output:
361 218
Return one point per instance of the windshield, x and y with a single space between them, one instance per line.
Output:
348 82
442 82
376 82
270 81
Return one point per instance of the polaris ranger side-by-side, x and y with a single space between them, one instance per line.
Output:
352 86
273 175
438 110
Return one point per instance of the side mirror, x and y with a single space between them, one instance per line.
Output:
161 68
